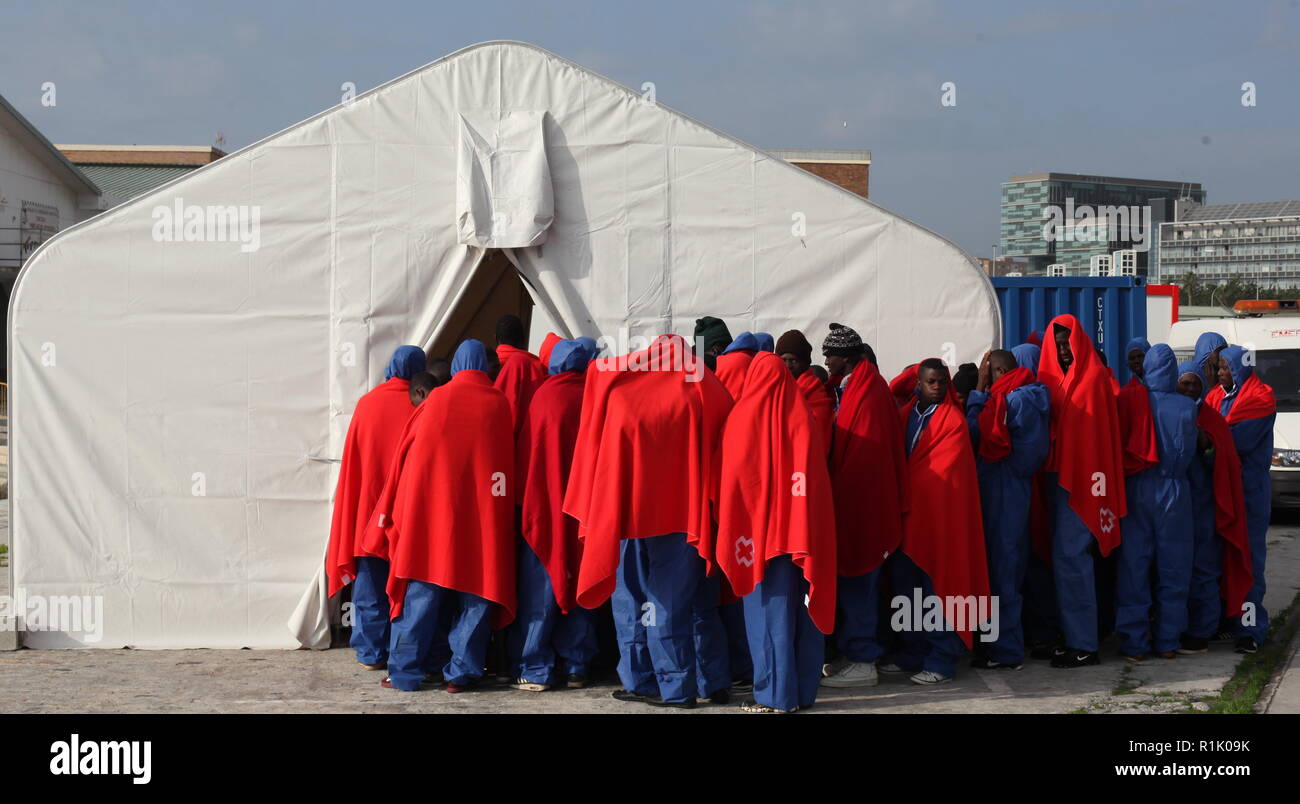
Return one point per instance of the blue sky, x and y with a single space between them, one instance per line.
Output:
1135 89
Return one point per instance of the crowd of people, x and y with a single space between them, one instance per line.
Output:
756 524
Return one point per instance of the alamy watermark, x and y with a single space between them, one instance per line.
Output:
70 614
1089 224
930 613
192 223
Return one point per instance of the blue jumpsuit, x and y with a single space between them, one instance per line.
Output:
1039 593
787 649
936 651
1254 439
662 619
1157 536
1203 604
1005 490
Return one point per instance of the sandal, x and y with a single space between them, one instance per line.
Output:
754 707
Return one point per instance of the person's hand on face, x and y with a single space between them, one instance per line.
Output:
986 377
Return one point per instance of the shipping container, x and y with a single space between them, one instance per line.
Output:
1114 309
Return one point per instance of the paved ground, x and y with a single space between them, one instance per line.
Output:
330 681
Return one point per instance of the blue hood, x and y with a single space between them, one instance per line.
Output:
765 342
1235 357
572 355
1207 343
406 362
1140 344
1026 354
745 341
472 355
1161 369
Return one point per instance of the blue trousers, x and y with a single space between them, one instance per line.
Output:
370 615
712 640
786 648
1038 613
1005 504
655 603
1258 509
414 631
542 638
858 621
1072 571
733 620
925 650
1204 607
1156 547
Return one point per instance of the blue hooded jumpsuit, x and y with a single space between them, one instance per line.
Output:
1157 532
1005 490
1203 605
1254 439
370 627
433 615
541 632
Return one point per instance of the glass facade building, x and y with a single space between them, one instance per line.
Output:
1088 215
1254 242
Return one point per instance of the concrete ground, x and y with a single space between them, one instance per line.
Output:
331 681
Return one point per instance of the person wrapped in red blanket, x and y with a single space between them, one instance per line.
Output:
942 558
373 435
776 534
445 519
641 487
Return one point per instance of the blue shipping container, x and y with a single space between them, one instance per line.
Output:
1114 308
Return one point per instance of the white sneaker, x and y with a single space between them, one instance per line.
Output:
853 674
836 666
891 669
930 678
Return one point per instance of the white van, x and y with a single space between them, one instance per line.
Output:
1276 342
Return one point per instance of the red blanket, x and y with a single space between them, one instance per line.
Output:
644 464
521 373
1229 510
821 403
544 353
447 508
1137 428
945 531
545 455
995 436
373 436
731 370
775 493
868 473
1254 401
1086 449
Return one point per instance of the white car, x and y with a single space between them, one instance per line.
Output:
1276 343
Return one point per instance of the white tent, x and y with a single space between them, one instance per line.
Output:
180 394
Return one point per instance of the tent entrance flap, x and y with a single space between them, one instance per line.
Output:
494 290
504 197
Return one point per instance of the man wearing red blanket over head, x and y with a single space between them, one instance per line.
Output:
643 477
521 372
776 534
1086 465
446 519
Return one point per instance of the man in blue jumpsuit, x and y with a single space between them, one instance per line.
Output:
1157 533
1005 491
1203 605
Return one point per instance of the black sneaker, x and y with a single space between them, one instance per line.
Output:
1191 645
1069 658
1247 645
1042 650
575 681
1223 635
689 703
986 663
742 687
722 696
628 696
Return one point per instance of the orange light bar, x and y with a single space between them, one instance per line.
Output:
1265 306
